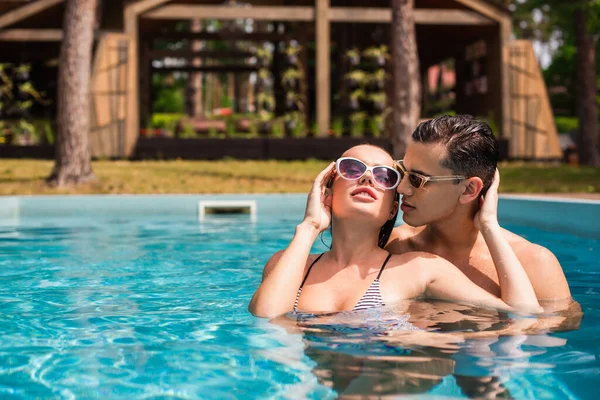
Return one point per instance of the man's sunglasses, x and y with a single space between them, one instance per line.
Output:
353 169
418 181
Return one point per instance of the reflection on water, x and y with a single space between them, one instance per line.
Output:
435 347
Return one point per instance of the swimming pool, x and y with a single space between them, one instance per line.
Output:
130 296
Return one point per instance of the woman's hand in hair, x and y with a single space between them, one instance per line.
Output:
318 205
487 216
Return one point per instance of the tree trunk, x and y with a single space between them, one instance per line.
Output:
72 152
587 109
407 87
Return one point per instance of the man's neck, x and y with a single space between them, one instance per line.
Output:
457 233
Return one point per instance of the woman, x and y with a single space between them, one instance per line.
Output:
357 197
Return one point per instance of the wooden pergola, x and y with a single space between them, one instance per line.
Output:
444 29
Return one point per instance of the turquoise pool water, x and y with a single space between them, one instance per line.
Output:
132 297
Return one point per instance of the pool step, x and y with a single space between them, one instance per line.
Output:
227 207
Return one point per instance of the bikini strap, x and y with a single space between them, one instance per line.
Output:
309 268
383 266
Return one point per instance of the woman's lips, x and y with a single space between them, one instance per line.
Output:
364 193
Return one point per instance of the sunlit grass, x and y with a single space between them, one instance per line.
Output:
233 176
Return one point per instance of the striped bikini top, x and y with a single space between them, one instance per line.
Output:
371 298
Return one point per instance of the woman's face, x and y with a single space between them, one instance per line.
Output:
363 199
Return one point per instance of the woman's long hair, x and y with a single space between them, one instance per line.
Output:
386 229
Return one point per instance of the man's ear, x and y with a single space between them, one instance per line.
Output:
471 191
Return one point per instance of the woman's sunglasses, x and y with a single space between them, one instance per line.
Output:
418 181
353 169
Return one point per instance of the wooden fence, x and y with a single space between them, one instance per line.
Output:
214 149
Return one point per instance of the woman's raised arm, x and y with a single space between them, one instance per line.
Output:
283 273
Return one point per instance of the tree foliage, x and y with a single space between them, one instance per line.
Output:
17 97
551 23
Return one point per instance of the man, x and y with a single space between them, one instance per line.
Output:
449 165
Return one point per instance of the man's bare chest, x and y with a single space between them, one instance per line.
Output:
475 263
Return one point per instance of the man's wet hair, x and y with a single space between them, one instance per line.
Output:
471 145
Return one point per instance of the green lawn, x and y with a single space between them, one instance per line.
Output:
233 176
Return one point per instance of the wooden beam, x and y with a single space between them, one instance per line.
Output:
19 14
449 17
222 35
360 14
208 68
422 16
271 13
145 5
323 84
484 9
31 35
153 54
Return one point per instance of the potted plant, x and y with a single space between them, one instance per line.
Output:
291 53
291 101
22 72
291 78
265 123
354 100
264 56
355 78
264 76
290 123
378 100
358 122
266 102
365 102
353 57
375 126
6 134
377 80
378 54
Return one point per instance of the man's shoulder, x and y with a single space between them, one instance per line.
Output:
525 249
542 267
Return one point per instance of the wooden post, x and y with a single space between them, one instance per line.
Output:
252 94
505 117
323 85
237 103
145 85
231 89
132 125
195 79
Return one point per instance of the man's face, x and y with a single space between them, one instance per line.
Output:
435 201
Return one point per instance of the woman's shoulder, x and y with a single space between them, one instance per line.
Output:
277 256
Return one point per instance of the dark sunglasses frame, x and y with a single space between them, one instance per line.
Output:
367 169
423 179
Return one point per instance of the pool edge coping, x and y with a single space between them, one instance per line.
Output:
530 197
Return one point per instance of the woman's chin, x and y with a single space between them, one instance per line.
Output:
363 213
